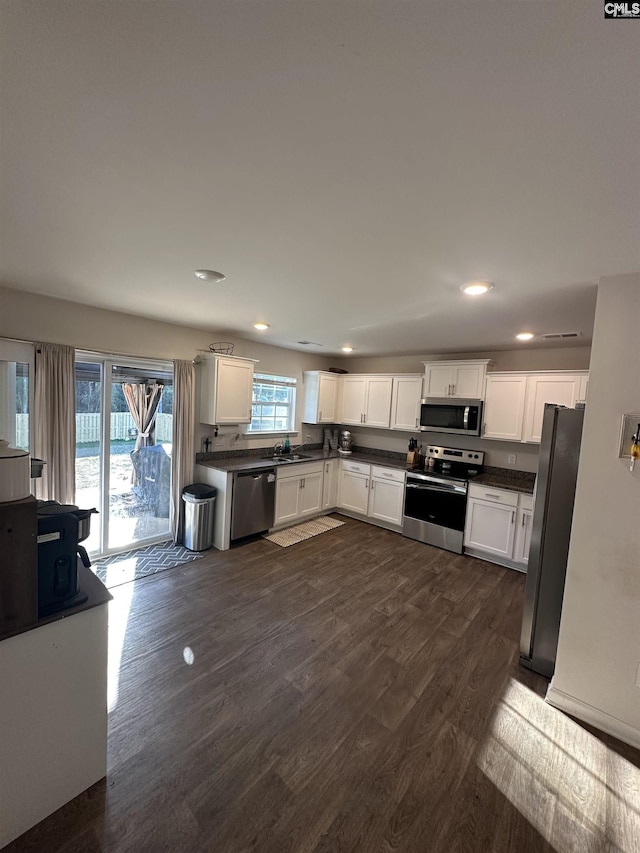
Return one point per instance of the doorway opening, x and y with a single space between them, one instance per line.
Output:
124 415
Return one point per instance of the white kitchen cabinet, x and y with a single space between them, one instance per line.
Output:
330 483
490 527
386 494
523 536
366 400
405 402
560 388
353 488
320 397
504 401
372 491
226 389
514 402
298 491
461 379
498 525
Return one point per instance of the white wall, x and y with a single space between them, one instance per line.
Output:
524 358
599 645
29 317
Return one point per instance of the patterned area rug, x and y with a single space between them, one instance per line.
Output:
300 532
132 565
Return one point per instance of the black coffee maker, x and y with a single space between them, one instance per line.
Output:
61 528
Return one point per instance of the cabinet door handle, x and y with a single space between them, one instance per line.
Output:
299 484
489 495
513 516
366 484
320 415
524 521
373 485
417 422
453 388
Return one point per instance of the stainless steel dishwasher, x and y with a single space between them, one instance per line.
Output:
254 498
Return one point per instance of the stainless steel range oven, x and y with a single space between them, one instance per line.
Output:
435 504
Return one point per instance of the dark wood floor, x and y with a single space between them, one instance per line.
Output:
359 691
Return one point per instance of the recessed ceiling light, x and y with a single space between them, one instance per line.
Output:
476 288
525 336
210 275
346 349
261 326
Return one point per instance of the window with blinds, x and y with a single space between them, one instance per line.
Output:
274 403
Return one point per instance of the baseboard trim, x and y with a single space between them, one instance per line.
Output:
593 716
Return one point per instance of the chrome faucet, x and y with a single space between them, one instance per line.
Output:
277 448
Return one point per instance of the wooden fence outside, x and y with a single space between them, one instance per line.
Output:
88 428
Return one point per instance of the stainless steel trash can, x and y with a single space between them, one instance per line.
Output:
199 501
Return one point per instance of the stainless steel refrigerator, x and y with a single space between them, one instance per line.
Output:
550 534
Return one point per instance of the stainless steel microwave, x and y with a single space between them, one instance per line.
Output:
462 417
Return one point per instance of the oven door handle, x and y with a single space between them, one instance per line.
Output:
432 487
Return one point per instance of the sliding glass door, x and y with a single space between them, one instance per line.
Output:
123 450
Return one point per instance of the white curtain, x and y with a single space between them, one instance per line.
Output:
55 421
183 441
143 400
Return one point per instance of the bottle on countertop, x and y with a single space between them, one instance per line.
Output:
287 446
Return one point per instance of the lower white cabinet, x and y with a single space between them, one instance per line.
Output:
386 494
523 536
298 492
353 489
372 490
498 525
330 483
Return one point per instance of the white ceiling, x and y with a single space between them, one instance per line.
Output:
347 165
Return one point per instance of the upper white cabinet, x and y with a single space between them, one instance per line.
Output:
320 397
461 379
504 406
405 402
226 389
514 402
366 400
562 389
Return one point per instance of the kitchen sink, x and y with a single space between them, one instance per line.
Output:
293 457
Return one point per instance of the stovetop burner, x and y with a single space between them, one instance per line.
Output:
453 463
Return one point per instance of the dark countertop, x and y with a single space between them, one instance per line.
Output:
505 478
498 478
246 462
97 594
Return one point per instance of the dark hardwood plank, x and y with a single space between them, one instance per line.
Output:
356 692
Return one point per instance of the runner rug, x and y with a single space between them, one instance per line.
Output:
301 532
142 563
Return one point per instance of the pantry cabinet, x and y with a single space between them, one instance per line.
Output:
320 397
498 525
514 402
298 492
458 379
226 389
366 400
405 402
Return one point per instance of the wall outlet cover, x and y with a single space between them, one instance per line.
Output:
512 458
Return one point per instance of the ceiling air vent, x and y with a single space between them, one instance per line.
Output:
308 343
557 336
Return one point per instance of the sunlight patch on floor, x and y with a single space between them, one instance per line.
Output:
118 619
562 779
